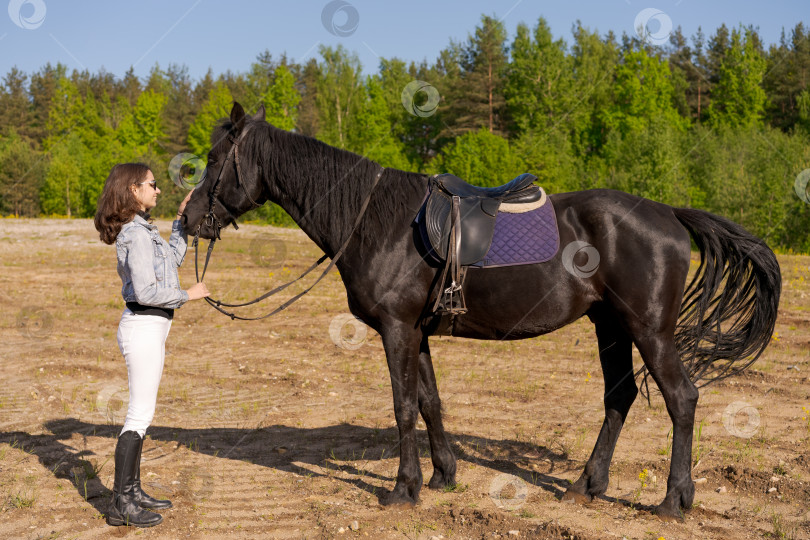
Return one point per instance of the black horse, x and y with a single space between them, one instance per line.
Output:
638 296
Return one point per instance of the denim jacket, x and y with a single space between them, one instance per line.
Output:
148 264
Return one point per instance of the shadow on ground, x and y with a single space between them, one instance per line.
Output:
291 449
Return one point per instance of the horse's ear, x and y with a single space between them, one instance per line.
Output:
237 116
260 113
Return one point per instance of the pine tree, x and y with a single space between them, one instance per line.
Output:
307 85
479 101
129 87
787 76
22 171
178 114
738 99
690 80
594 62
539 81
42 89
15 109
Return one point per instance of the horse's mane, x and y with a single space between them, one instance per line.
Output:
334 182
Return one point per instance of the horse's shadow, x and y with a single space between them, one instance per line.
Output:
338 449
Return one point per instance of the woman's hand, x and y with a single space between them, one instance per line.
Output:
197 291
182 207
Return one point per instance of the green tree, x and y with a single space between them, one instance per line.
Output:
281 99
738 99
549 156
83 147
339 88
371 134
422 133
446 76
648 161
216 107
129 87
307 85
178 114
479 101
15 108
803 108
539 87
142 130
594 62
690 79
642 93
22 170
744 182
480 157
60 192
787 77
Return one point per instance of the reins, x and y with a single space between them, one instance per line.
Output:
213 222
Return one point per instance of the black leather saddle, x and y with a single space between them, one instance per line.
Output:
478 208
458 221
520 189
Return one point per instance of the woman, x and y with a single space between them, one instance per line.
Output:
151 289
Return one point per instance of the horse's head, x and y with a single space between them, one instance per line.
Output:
232 183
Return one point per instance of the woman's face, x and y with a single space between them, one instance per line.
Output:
146 192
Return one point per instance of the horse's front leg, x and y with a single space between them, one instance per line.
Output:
430 406
401 344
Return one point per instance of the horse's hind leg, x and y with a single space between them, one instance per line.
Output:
444 462
616 357
680 395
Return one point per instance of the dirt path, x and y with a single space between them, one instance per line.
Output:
285 429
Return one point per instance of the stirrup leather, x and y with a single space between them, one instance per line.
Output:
450 300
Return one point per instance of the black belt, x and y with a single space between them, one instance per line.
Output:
138 309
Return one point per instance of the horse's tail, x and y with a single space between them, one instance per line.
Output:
729 308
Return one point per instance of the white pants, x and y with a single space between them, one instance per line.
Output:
142 340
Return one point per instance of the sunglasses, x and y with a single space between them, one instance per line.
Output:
153 183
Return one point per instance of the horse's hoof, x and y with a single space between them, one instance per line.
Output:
441 483
665 513
571 496
397 501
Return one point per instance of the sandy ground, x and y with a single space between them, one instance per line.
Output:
284 428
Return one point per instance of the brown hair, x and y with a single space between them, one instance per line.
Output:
117 204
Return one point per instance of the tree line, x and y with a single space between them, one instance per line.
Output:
720 123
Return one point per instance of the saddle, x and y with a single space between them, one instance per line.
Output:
458 220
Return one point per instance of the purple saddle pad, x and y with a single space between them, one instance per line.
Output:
527 238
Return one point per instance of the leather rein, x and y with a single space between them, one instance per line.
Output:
212 221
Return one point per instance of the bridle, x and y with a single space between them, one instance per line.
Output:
210 218
212 221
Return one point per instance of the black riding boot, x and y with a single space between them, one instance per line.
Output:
124 509
144 500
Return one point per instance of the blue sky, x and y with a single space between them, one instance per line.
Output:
115 34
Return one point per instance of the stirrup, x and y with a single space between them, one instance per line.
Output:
452 301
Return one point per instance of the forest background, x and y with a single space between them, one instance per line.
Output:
718 122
